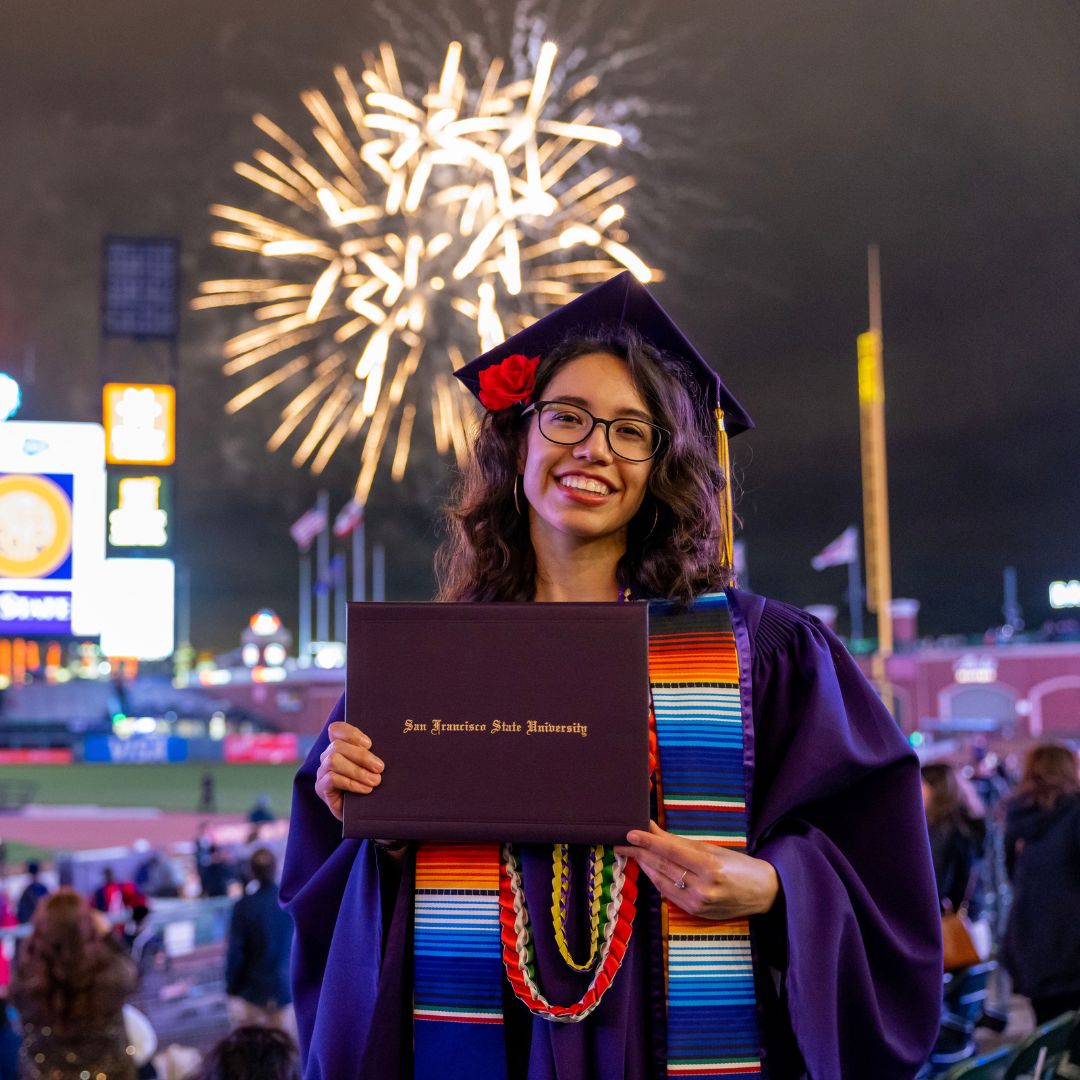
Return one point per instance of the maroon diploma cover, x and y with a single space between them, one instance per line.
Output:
526 722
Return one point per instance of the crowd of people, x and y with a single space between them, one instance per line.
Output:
1006 852
69 1013
1005 845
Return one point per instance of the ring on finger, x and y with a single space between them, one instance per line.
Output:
680 881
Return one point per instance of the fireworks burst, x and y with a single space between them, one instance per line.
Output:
426 228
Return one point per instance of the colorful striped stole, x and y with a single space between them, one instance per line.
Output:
457 963
694 672
712 1017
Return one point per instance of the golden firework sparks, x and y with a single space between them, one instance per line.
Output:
424 228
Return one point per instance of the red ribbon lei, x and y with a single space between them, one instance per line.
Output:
517 949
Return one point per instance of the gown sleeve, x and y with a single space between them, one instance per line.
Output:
350 906
836 808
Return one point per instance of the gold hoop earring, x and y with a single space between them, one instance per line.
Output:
517 505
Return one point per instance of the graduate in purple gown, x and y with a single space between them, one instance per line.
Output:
595 477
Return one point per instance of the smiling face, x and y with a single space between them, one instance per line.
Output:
584 492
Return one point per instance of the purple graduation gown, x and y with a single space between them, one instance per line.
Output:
847 964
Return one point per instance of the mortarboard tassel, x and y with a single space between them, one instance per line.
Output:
727 513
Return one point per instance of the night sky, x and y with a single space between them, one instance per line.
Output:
779 141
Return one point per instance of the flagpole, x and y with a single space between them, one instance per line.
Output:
322 593
340 610
304 635
378 573
358 560
854 593
875 480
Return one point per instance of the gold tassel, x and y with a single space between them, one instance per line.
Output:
727 513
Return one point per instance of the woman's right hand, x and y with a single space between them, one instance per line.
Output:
347 764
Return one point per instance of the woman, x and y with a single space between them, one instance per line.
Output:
957 830
594 477
251 1053
70 989
1042 857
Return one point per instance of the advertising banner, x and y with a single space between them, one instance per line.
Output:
140 511
42 756
261 749
138 621
138 749
52 525
140 423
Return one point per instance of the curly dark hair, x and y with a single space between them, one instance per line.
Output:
673 542
252 1053
70 974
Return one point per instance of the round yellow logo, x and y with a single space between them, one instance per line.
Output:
35 526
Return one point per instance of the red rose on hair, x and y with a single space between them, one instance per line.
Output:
510 382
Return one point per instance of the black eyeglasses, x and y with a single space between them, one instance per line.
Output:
566 424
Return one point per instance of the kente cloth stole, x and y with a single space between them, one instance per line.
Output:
712 1015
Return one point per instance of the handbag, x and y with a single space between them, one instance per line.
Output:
958 945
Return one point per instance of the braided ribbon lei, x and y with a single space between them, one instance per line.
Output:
601 868
619 912
518 953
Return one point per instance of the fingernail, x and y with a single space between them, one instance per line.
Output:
633 837
364 740
377 763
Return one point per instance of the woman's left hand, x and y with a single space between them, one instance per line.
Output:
717 883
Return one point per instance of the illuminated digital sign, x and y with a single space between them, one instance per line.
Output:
142 281
52 526
139 614
972 668
1064 594
139 511
140 424
35 525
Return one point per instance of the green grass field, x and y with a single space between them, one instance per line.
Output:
168 787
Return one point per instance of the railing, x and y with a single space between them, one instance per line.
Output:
180 953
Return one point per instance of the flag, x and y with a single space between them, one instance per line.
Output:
307 526
337 571
738 558
334 576
842 551
349 516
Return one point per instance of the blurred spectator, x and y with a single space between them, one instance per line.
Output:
257 964
145 941
262 811
1042 856
158 876
252 1053
31 895
955 821
207 794
220 873
7 918
9 1042
70 991
116 898
202 848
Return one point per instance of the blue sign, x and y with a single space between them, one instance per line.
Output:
30 613
136 750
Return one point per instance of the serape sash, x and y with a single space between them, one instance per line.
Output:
694 672
712 1016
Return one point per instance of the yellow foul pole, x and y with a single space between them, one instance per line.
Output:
875 484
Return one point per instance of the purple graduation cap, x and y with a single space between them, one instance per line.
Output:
621 301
